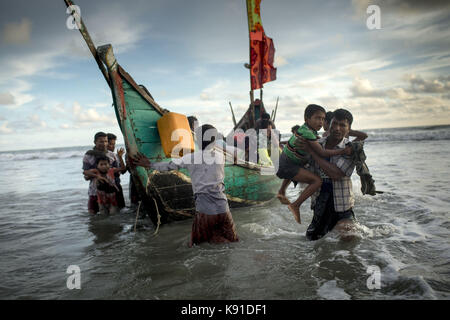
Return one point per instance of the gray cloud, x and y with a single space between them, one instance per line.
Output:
17 33
439 85
7 98
402 6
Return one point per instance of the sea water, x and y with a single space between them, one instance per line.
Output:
400 248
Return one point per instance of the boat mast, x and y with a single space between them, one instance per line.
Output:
84 32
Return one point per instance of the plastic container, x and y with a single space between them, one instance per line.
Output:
175 134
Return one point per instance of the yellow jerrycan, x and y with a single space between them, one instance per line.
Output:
175 134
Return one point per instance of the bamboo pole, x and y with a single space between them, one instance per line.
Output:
252 109
276 108
84 32
232 113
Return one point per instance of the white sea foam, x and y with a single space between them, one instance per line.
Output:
330 291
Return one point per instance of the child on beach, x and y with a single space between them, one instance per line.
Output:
293 159
212 221
104 177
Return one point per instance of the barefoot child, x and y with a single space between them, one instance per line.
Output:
282 192
106 185
293 159
212 221
359 136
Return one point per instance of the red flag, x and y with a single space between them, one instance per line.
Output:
262 52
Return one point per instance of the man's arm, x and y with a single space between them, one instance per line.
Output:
360 136
94 174
330 169
324 153
89 174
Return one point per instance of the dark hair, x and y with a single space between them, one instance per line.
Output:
99 135
329 116
265 124
295 128
312 109
191 120
205 128
101 158
342 114
111 136
265 116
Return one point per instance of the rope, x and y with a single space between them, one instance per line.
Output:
156 205
159 217
157 211
137 214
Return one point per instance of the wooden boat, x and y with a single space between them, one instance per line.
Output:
168 196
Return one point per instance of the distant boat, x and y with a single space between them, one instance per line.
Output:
168 196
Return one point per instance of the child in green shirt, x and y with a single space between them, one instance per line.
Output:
293 159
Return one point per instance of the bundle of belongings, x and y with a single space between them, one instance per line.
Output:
359 158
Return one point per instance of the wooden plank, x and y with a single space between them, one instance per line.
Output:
144 117
133 84
136 102
146 134
152 150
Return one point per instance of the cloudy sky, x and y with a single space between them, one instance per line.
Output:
190 56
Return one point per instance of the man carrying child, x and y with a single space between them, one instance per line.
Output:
294 159
90 162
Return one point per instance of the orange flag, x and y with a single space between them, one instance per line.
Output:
262 50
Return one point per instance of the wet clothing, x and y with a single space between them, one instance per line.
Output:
106 192
106 199
89 162
342 188
216 228
93 204
294 153
359 158
325 217
334 201
287 169
206 169
212 221
119 193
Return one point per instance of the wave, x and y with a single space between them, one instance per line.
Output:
36 155
441 132
410 134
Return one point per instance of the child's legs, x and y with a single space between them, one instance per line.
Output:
284 186
314 182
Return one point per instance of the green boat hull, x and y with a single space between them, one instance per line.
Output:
169 194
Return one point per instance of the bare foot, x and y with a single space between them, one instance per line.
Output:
283 199
296 212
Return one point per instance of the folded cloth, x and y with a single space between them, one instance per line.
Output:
359 158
